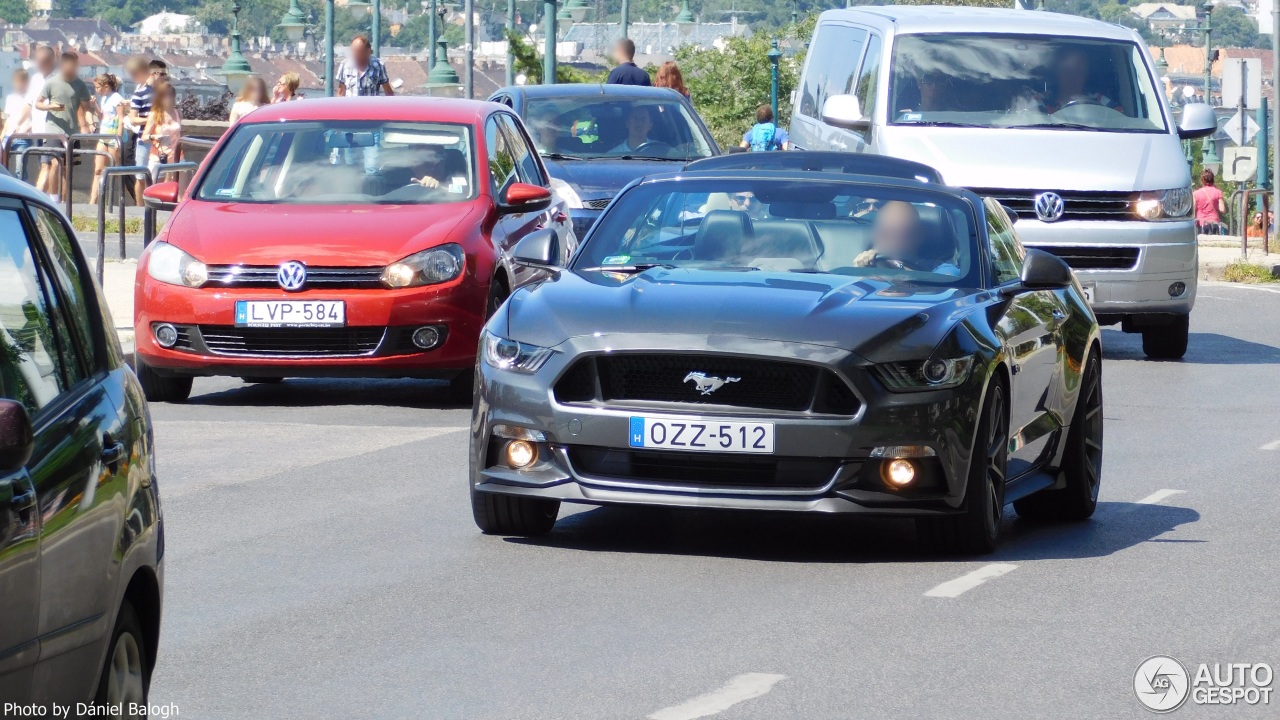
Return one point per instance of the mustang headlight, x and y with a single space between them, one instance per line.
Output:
932 374
431 266
566 192
170 265
1175 204
504 354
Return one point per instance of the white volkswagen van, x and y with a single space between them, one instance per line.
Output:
1059 117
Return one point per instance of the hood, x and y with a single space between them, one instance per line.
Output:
864 315
350 235
594 179
1043 159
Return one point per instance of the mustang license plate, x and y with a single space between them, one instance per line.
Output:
703 434
291 313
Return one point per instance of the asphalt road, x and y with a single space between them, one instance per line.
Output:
322 563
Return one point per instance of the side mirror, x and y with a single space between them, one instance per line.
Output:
161 194
1044 271
844 111
16 438
1198 120
1013 214
540 249
522 197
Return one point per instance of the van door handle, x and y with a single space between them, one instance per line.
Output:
112 453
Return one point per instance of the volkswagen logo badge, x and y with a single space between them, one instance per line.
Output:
1049 207
292 275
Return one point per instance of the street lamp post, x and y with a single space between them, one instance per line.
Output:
468 52
511 31
774 56
625 19
442 74
549 49
328 49
236 69
795 12
1209 156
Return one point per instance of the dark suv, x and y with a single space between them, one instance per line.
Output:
81 539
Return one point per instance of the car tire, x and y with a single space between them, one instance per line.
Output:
513 515
126 674
976 529
162 388
262 380
1167 342
1081 461
498 293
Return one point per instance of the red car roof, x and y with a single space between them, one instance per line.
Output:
402 109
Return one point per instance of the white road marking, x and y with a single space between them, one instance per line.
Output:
1273 445
740 688
1158 496
964 583
1243 286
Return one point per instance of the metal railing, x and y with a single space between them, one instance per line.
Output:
1240 202
66 153
139 172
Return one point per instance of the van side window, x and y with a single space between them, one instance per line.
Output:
868 77
1006 252
831 66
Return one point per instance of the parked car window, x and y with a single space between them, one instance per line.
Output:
526 157
76 288
1022 81
1006 252
832 62
590 127
343 163
30 368
868 77
502 162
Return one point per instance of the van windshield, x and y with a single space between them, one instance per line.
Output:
1023 81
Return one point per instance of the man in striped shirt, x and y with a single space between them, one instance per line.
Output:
146 75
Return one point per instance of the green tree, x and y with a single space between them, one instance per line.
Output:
15 11
1232 27
529 63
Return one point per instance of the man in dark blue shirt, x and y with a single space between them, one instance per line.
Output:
626 73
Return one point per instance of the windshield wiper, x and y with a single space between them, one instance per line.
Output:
636 268
635 157
561 156
942 123
1056 126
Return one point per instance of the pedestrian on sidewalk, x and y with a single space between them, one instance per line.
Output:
46 66
17 119
147 74
669 76
1255 229
626 73
112 109
286 88
252 96
765 134
163 132
69 104
1209 206
361 73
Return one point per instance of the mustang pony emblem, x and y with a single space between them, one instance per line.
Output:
707 385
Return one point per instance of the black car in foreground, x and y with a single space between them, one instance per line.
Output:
789 339
81 539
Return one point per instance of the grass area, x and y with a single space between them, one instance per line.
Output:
132 225
1243 272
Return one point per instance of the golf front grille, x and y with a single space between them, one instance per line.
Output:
706 380
292 342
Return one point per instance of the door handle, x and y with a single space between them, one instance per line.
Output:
112 454
24 500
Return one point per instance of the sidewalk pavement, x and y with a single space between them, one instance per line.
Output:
1220 251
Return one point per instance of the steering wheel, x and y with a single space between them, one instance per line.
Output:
650 144
1077 101
892 263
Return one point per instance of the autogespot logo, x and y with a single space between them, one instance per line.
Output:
292 275
1161 684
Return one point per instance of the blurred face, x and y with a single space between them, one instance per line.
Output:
360 54
897 230
1073 71
68 69
620 54
157 74
44 61
20 84
639 123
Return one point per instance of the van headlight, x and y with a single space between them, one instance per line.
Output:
170 265
1175 204
505 354
429 267
932 374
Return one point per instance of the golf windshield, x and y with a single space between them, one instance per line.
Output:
595 126
343 163
787 226
1023 81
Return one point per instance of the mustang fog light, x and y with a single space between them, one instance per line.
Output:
1177 289
166 335
521 454
899 472
426 337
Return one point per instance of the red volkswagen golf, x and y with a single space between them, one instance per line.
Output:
353 237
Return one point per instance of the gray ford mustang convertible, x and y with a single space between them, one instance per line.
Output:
830 339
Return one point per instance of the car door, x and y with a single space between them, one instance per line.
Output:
512 159
31 373
81 482
1031 328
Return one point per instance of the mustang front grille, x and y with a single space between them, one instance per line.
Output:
326 278
697 379
704 470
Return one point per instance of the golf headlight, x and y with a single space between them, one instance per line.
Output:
436 265
1175 204
565 192
932 374
170 265
504 354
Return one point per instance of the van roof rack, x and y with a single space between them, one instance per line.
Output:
821 161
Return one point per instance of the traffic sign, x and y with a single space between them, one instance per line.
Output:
1241 128
1240 164
1242 78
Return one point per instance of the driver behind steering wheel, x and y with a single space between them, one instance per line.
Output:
639 123
1070 75
896 240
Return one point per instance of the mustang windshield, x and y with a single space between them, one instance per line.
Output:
343 163
787 226
595 126
1003 81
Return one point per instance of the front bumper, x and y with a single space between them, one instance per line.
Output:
942 420
1167 254
386 316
